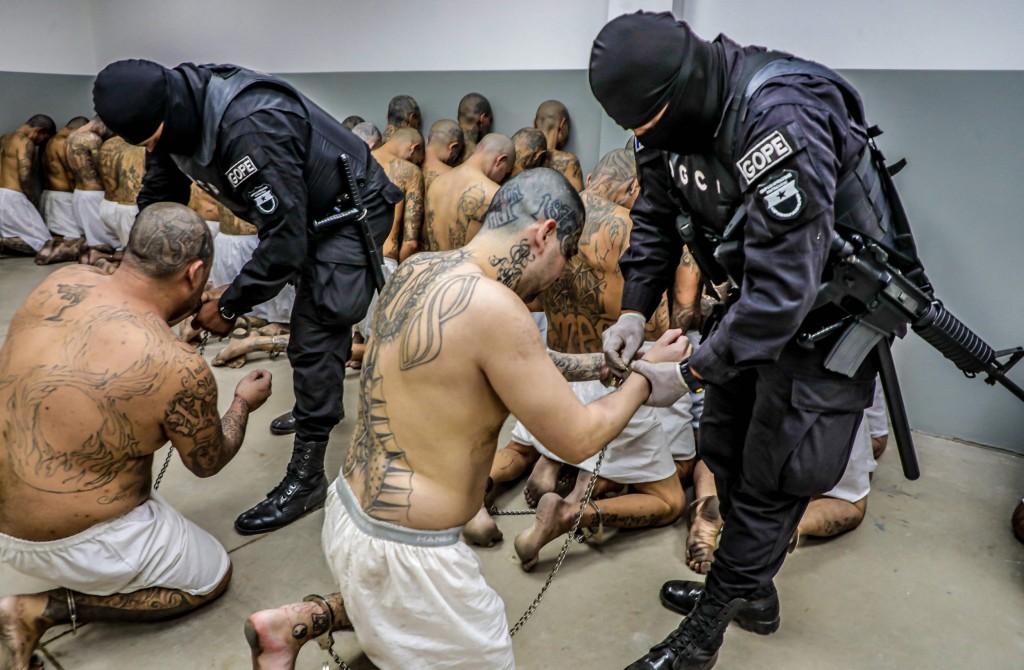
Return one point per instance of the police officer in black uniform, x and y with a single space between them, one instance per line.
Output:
269 155
742 154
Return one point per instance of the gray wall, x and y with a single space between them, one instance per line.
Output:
961 131
58 95
963 135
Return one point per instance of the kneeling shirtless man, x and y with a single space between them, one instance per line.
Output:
454 351
92 382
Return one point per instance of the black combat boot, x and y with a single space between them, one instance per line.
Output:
694 645
283 425
303 489
760 615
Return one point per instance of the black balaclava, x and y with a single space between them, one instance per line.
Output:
642 61
186 91
130 97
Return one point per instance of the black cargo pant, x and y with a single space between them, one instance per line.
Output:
333 294
775 436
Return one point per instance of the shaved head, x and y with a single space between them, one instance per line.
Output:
472 106
409 135
618 166
44 123
538 195
553 120
368 132
549 114
76 123
165 239
496 143
444 132
403 111
351 122
531 147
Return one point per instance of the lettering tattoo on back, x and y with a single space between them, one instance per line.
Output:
419 299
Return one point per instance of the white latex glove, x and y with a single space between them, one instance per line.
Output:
667 384
622 340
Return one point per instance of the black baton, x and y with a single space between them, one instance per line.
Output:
897 411
357 214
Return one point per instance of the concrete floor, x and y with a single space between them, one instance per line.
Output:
932 579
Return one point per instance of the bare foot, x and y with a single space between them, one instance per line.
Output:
16 245
20 631
187 333
275 636
65 252
274 329
542 481
43 257
482 530
554 518
237 348
705 525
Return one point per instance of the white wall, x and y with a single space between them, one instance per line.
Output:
50 36
353 35
61 37
874 34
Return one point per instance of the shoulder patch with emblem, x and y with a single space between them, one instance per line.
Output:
263 197
763 156
240 171
780 192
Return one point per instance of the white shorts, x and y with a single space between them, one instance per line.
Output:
640 454
86 205
117 222
417 599
856 481
20 218
151 546
876 415
59 213
231 252
214 227
365 327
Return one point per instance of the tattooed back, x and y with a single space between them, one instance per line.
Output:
429 419
405 175
456 203
16 158
86 381
55 163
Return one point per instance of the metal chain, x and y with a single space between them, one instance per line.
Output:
342 665
494 511
204 338
570 538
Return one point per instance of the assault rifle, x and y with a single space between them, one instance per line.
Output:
879 300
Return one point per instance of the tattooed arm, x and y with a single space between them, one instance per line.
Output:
532 388
205 441
686 294
579 367
476 208
413 215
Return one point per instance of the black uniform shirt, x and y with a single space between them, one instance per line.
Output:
794 142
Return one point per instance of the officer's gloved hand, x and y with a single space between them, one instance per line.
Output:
622 340
667 383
